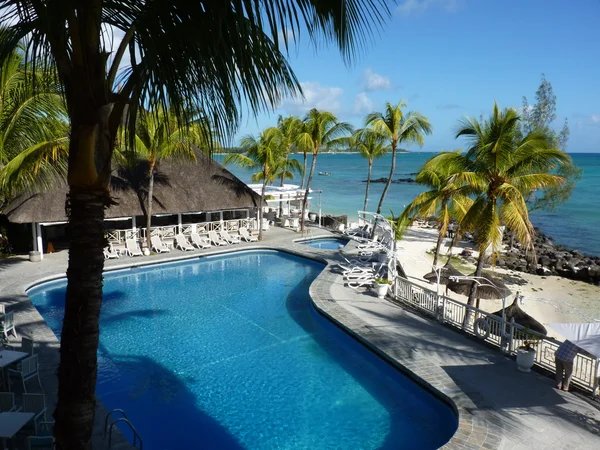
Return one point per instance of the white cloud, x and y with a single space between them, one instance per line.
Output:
288 34
375 82
315 96
408 7
587 120
362 104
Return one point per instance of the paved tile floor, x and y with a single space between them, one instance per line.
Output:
498 406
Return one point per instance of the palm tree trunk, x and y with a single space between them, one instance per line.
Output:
260 210
89 174
303 171
149 211
438 245
368 184
305 200
389 181
283 182
473 291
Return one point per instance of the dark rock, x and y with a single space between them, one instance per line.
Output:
544 261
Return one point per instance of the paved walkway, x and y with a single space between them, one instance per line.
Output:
498 406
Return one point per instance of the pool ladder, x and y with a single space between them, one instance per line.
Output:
124 419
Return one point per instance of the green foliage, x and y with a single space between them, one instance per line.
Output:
382 281
399 225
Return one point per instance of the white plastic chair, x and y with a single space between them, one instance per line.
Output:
7 325
200 242
215 239
43 439
246 235
229 238
182 243
159 245
28 369
132 248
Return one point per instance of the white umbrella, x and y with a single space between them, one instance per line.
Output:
583 335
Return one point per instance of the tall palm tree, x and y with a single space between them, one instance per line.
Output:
33 126
502 168
158 136
398 128
321 131
370 145
265 153
289 128
210 55
446 198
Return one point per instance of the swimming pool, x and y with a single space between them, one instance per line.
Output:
227 352
328 243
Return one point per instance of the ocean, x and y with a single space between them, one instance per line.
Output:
574 224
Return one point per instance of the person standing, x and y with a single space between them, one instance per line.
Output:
451 230
563 357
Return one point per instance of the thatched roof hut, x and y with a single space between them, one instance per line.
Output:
484 290
180 187
446 271
514 311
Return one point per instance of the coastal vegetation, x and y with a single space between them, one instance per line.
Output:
398 128
210 71
268 152
370 145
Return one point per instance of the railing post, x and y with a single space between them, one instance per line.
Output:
442 316
596 377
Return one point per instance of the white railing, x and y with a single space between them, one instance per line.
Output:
170 231
452 312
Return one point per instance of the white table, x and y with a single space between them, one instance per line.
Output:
11 423
8 357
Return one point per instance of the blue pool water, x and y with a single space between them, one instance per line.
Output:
227 353
325 243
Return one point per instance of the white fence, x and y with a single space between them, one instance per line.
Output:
452 312
170 231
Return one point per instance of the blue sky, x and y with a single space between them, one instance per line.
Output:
451 58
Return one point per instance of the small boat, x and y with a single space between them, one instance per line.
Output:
327 174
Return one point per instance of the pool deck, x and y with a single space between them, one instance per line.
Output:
498 406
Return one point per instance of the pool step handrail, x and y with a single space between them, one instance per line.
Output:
124 419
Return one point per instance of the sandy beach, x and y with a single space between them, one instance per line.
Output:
547 298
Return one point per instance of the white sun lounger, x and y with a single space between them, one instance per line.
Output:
158 245
229 238
132 248
110 253
182 243
200 242
215 239
246 235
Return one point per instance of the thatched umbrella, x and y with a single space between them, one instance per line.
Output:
485 290
446 271
514 311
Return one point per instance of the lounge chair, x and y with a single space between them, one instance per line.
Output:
229 238
200 242
246 235
44 438
215 239
110 253
182 243
132 248
7 325
158 245
28 370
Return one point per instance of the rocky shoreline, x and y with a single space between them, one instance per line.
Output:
398 181
551 260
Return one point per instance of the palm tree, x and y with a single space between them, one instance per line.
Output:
502 168
265 153
289 128
398 128
33 126
370 145
446 198
158 136
210 55
321 130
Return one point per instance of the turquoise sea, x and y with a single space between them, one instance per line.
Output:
575 224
